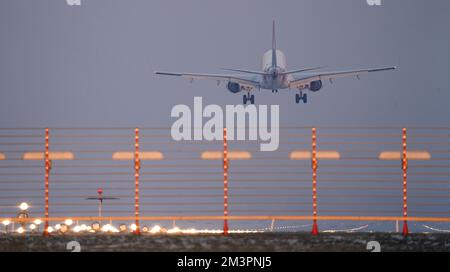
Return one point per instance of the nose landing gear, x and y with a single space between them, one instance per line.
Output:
302 97
248 97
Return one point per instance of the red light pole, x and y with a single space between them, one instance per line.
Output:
48 166
405 184
315 229
137 167
225 182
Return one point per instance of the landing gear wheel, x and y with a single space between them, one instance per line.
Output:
248 97
302 97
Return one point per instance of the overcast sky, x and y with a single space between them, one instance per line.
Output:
92 65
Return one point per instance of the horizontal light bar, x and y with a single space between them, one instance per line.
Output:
143 155
54 155
320 155
410 155
243 217
2 157
232 155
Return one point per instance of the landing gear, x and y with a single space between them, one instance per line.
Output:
248 97
302 97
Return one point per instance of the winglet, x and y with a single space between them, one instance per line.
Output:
274 46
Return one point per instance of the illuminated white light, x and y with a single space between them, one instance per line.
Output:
106 228
133 227
190 231
123 228
83 227
68 222
6 222
155 229
49 229
64 228
77 229
32 227
24 206
38 222
174 230
57 226
95 227
20 230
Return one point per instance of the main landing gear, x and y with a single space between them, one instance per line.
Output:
302 97
248 97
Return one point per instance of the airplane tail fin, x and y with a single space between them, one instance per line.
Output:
274 46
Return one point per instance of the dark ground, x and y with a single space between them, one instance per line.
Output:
236 242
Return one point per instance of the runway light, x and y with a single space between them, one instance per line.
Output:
145 229
57 226
107 228
20 230
32 227
95 226
155 229
68 222
24 206
77 229
83 227
6 222
64 228
133 227
50 229
123 228
37 222
174 230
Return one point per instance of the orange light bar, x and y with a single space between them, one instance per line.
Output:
232 155
2 157
55 155
410 155
320 155
143 155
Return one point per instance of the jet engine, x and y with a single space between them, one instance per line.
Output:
315 85
233 87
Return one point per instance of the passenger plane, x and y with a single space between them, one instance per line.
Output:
275 76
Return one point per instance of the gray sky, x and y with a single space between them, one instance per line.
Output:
92 66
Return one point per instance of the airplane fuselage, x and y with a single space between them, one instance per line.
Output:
274 80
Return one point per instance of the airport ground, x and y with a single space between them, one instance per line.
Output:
271 242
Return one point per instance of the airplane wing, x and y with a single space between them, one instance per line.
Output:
302 80
249 81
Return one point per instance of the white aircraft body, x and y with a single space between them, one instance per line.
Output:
275 76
